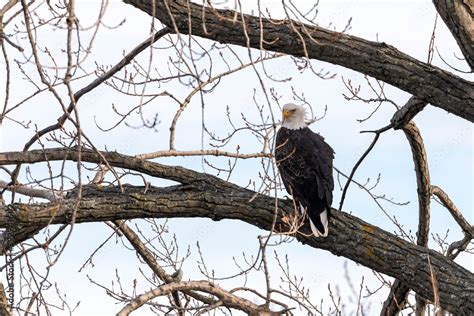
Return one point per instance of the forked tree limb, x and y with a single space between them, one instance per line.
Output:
203 286
407 112
399 290
379 60
150 260
207 196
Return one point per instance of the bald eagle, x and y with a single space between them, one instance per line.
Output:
304 160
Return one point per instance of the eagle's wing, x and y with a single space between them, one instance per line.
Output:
319 156
284 155
305 164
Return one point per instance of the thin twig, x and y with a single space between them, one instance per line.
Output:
369 149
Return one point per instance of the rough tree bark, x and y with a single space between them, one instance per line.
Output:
458 16
202 195
379 60
399 291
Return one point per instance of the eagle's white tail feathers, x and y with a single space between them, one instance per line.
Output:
324 219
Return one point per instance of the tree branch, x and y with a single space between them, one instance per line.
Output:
399 290
350 237
115 159
148 257
396 299
407 112
358 163
204 286
95 83
31 192
457 15
420 160
203 152
422 180
20 234
457 215
379 60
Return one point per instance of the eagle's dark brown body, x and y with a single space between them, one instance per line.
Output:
304 160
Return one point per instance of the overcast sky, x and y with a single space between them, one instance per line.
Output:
407 25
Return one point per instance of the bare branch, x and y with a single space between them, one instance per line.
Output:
92 86
115 159
31 192
354 169
204 152
203 286
422 180
457 215
396 299
457 247
148 258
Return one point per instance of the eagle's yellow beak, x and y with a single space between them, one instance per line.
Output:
286 114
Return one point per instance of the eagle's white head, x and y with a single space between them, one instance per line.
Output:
293 116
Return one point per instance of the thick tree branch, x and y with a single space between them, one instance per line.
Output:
20 234
420 160
379 60
399 290
422 181
350 237
458 16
